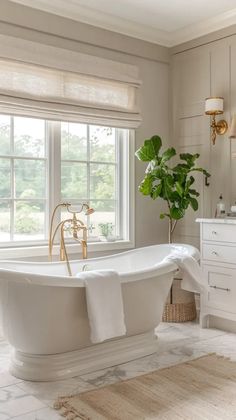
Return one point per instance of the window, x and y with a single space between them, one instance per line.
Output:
43 163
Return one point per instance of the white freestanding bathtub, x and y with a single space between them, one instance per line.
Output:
44 315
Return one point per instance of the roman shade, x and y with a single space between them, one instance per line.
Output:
53 83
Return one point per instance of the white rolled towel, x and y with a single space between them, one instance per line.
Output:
192 276
104 304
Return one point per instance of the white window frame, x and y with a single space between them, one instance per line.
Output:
127 201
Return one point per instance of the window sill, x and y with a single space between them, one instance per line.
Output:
42 250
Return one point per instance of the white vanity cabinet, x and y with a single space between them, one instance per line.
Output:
218 261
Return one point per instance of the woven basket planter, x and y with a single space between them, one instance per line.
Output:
179 312
183 307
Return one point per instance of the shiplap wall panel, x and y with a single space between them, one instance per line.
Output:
191 129
220 155
209 70
232 180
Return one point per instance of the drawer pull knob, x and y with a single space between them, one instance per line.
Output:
221 288
214 253
214 232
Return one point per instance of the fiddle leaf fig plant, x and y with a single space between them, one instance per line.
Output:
170 182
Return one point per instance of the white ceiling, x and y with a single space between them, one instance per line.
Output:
165 22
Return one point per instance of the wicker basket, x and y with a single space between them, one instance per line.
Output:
179 312
183 308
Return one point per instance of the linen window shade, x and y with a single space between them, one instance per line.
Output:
88 89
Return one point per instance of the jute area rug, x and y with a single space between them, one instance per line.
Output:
201 389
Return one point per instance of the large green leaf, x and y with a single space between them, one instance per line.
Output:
168 154
187 185
146 185
150 149
180 177
191 180
185 202
156 143
156 191
167 188
152 166
169 179
158 172
194 203
181 167
194 192
175 197
179 188
189 158
176 213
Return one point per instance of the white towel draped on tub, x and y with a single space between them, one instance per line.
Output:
104 304
192 277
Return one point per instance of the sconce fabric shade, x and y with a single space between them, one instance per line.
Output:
214 106
232 131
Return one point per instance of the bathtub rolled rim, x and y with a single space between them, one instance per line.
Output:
159 268
73 281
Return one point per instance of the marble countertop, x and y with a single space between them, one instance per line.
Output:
226 220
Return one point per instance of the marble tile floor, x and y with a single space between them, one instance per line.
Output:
22 400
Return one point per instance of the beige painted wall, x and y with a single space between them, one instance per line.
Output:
202 67
153 63
199 72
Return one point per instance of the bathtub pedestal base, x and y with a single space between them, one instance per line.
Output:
67 365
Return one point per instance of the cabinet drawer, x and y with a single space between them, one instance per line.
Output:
221 292
219 232
220 253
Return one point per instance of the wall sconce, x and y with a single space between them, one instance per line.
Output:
215 106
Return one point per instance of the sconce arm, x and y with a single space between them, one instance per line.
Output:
218 128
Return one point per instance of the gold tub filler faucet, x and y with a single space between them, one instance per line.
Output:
72 224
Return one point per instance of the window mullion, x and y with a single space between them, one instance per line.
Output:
47 177
88 172
54 144
12 201
118 182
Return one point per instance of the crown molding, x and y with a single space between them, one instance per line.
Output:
207 27
101 20
146 33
